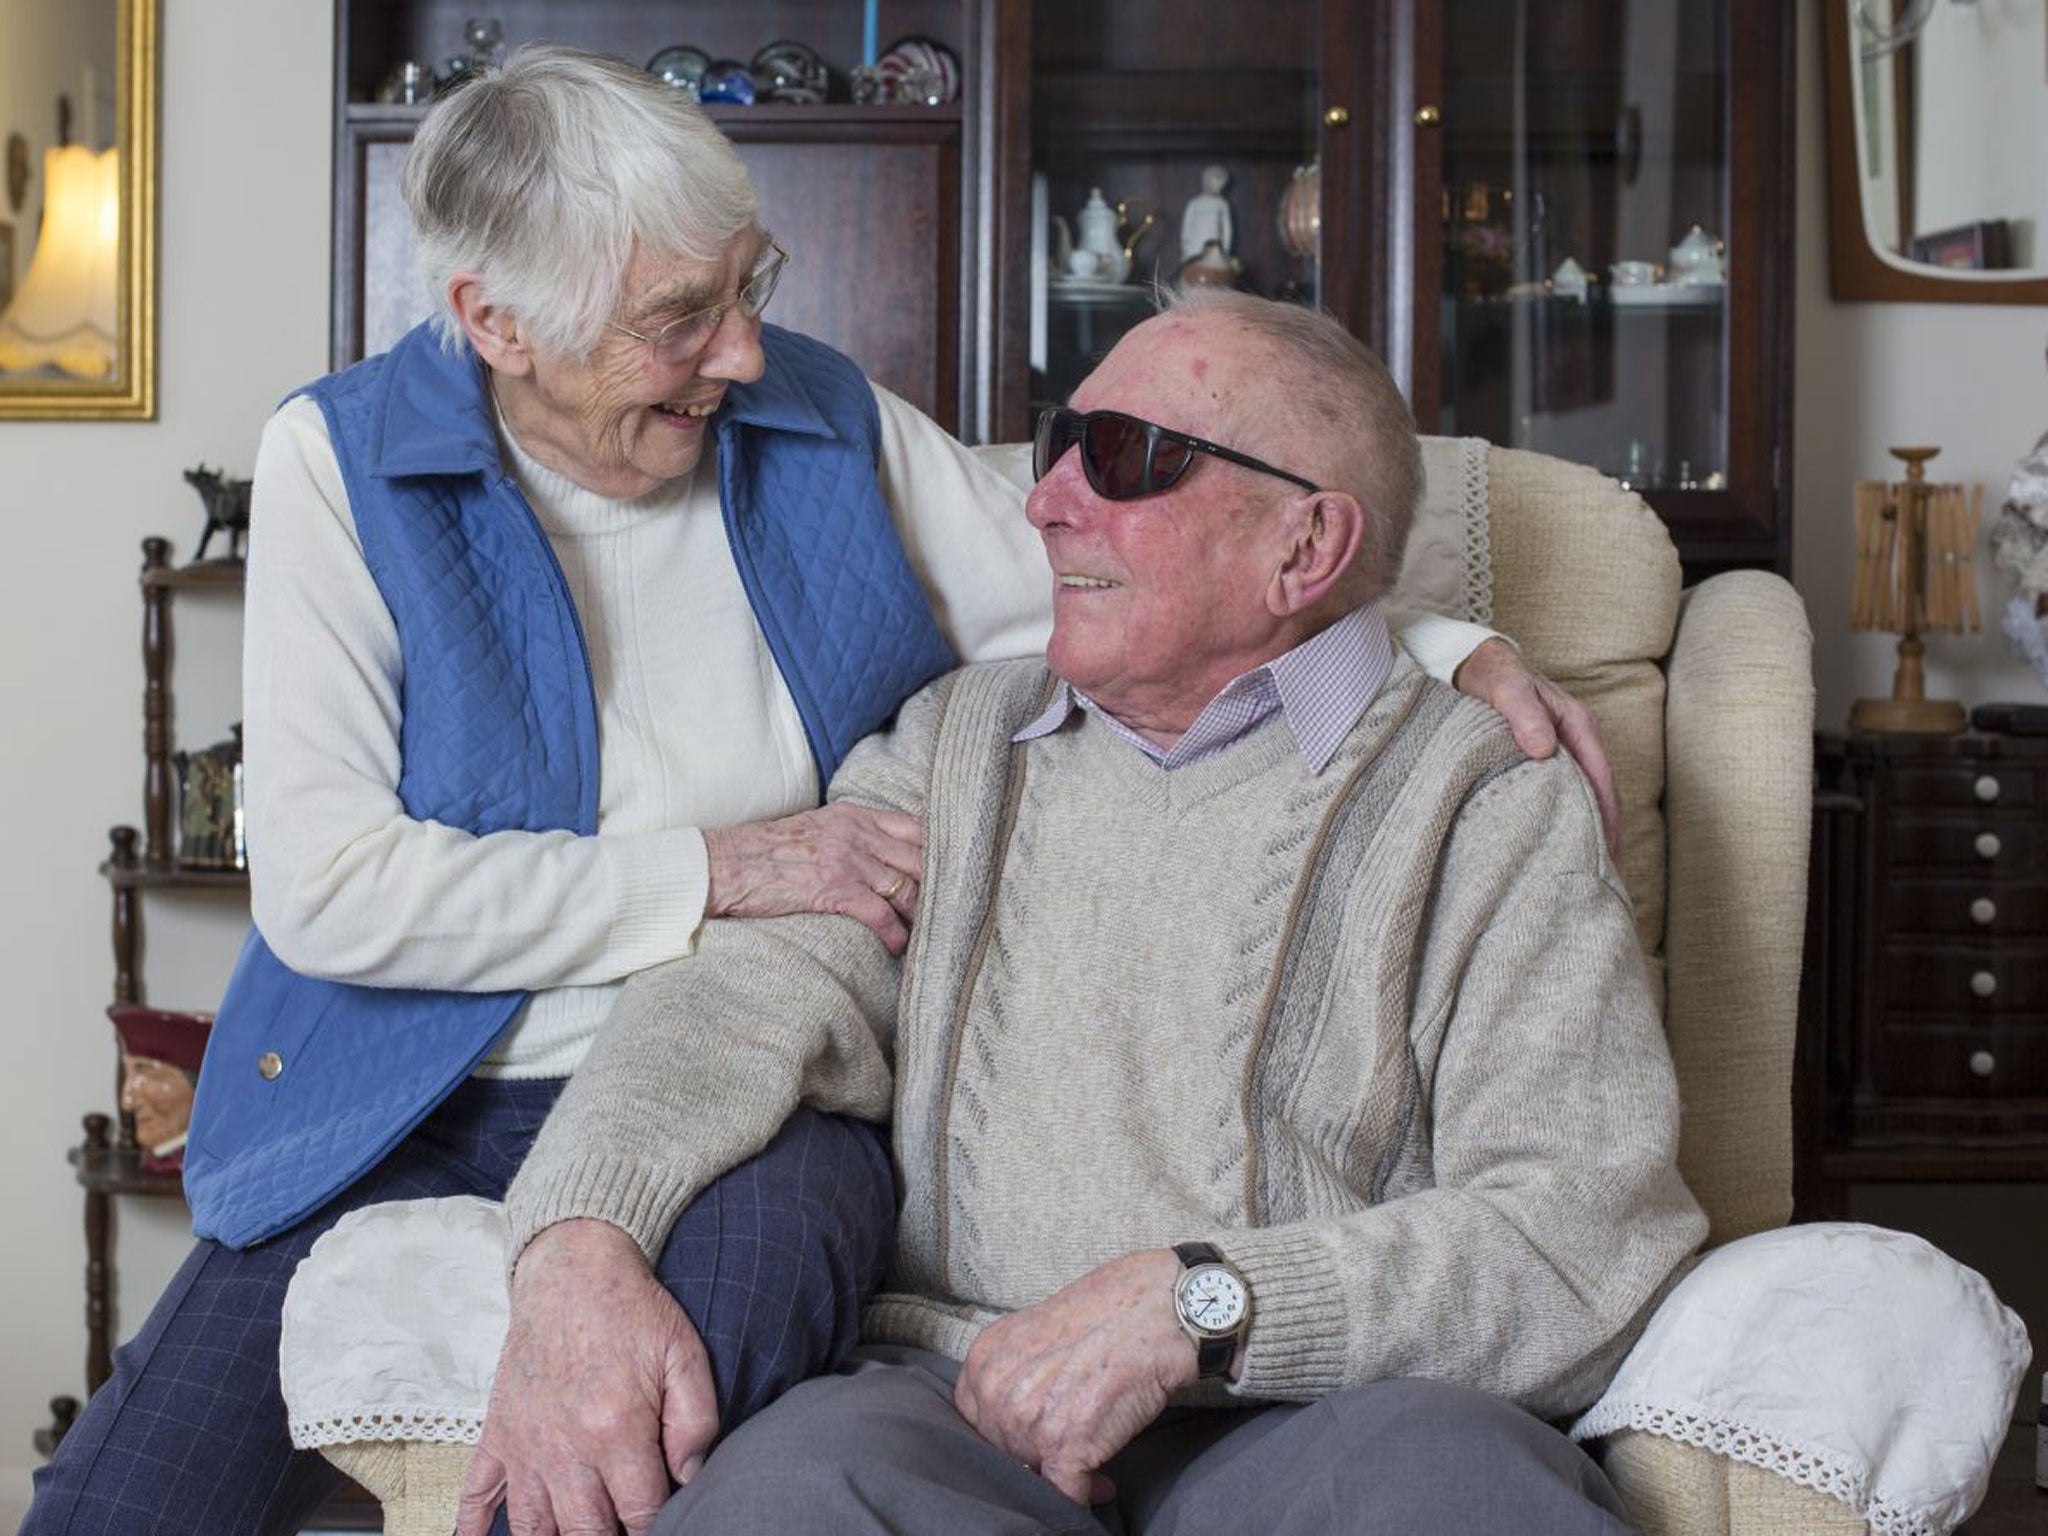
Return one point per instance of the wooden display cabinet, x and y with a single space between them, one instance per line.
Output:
1462 150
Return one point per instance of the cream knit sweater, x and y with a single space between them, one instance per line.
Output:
1382 1034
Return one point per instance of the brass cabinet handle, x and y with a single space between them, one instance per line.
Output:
1983 983
1337 117
1986 787
1983 911
1988 845
1983 1063
1427 117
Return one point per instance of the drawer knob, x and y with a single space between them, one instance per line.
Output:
1983 1063
1987 787
1983 983
1983 911
1988 845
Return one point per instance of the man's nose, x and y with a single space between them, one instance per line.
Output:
1061 498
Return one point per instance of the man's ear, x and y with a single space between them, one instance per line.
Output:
492 330
1330 537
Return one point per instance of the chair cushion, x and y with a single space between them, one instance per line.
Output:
1586 581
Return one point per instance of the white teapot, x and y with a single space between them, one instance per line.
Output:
1108 240
1696 260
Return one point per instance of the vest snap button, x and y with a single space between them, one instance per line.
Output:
269 1066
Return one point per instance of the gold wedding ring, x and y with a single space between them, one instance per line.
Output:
895 890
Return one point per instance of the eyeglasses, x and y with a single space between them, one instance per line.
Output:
687 335
1126 457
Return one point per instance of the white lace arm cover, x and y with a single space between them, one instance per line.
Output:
393 1323
1448 568
1860 1362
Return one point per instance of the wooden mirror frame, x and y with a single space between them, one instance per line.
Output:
131 394
1855 270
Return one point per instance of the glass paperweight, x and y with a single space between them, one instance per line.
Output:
682 67
728 80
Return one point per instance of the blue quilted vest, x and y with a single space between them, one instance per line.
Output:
307 1084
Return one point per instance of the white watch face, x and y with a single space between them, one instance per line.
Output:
1213 1299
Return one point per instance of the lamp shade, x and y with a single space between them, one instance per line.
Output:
66 312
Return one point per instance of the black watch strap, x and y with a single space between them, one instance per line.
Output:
1191 1254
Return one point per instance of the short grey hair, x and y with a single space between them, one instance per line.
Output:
538 176
1350 425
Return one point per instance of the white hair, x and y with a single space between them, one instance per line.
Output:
539 175
1349 418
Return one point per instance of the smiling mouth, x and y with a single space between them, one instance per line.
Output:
684 411
1088 583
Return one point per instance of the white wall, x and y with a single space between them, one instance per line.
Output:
244 306
243 300
1969 377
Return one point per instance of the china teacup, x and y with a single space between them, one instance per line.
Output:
1634 274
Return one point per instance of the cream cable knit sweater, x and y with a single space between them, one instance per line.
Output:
696 725
1382 1034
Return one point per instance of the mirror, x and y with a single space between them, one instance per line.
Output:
1937 186
78 122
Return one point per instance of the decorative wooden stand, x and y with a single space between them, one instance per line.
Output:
1893 552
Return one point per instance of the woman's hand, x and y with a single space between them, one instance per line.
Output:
1541 714
843 859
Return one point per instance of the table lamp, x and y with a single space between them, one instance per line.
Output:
1914 577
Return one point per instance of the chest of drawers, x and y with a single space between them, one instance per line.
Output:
1926 1050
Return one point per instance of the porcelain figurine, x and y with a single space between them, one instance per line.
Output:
1211 267
1206 219
1696 260
1108 240
1569 281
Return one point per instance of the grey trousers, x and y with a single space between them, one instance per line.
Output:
878 1448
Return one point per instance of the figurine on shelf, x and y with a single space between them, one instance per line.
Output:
227 511
1206 219
160 1054
210 815
1697 260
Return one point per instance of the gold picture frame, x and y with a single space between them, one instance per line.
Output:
130 394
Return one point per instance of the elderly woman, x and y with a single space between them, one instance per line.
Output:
560 614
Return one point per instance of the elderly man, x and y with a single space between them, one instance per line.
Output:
1281 1117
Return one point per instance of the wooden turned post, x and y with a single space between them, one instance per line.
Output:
156 707
99 1363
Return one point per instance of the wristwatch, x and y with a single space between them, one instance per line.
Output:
1214 1306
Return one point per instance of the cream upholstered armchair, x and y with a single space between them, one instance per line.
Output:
1705 702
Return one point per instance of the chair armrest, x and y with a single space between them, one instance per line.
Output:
1738 802
1674 1489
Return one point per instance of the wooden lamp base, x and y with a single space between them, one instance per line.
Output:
1909 712
1908 717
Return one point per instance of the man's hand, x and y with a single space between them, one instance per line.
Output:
603 1393
1064 1385
1540 714
843 859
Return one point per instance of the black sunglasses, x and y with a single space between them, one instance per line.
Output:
1126 457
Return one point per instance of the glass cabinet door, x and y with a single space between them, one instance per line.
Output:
1606 262
1169 139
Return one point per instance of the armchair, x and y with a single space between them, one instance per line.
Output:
1705 701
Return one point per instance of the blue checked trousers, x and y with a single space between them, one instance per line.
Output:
772 1264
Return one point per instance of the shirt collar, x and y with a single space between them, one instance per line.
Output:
1320 687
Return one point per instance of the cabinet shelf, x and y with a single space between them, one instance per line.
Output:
1196 113
117 1170
213 576
168 877
842 116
